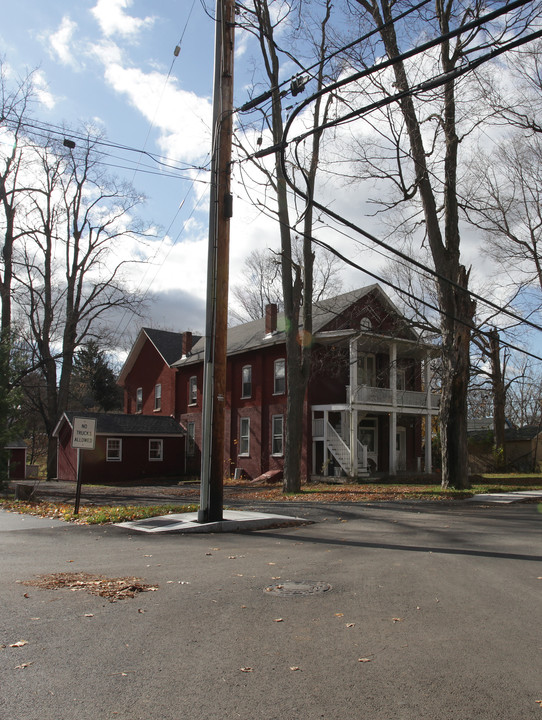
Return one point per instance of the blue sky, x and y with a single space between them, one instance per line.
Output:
107 63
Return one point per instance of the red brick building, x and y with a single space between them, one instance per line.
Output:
367 402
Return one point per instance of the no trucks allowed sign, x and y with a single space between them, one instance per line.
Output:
84 433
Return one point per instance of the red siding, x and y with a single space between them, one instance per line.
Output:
150 370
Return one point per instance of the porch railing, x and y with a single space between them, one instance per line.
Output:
367 395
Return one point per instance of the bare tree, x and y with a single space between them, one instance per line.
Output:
262 283
420 158
15 99
264 18
71 279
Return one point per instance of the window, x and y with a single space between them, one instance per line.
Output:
158 397
367 370
114 450
244 436
277 440
191 438
156 449
280 377
401 380
193 390
246 391
139 400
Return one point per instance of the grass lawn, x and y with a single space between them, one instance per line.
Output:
414 489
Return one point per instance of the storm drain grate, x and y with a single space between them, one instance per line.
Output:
291 588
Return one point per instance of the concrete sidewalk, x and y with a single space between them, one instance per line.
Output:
507 498
233 521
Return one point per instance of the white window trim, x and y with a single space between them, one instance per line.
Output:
107 456
273 435
282 361
161 447
241 436
243 394
157 397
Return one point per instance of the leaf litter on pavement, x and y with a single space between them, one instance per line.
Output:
111 588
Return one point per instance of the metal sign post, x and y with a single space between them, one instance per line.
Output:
83 438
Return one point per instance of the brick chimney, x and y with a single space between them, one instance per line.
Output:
187 343
270 318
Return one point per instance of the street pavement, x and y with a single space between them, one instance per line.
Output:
407 611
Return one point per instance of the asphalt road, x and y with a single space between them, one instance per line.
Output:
441 603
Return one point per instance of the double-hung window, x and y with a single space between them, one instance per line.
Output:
279 387
193 390
139 400
156 450
114 450
277 438
158 397
244 436
246 378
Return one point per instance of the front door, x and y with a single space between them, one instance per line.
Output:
400 448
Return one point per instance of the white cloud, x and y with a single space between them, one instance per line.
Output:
183 117
60 42
113 19
41 87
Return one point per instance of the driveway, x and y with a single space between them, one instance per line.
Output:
414 612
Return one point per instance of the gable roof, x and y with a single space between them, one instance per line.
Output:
251 335
168 344
120 424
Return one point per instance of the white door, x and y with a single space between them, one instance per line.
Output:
400 448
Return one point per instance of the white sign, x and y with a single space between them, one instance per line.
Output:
84 433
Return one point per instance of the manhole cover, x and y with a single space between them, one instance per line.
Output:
298 587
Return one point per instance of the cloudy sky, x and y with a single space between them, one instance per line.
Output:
111 63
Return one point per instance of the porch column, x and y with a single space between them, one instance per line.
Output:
326 453
428 416
353 442
353 371
393 414
393 440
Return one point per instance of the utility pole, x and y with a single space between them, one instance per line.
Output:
216 331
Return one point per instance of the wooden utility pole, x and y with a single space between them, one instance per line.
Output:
214 384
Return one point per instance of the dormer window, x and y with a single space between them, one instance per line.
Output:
139 400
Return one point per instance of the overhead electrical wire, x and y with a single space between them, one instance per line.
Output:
435 82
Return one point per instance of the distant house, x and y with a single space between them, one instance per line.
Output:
367 405
522 448
128 448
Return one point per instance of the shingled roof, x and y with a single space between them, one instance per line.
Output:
119 424
251 335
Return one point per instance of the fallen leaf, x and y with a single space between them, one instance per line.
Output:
26 595
19 643
278 620
277 577
23 665
364 660
246 669
350 624
397 620
243 607
140 610
89 615
271 563
232 557
339 614
294 667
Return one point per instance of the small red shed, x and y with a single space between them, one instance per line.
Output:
128 448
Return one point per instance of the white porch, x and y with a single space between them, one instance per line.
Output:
348 435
